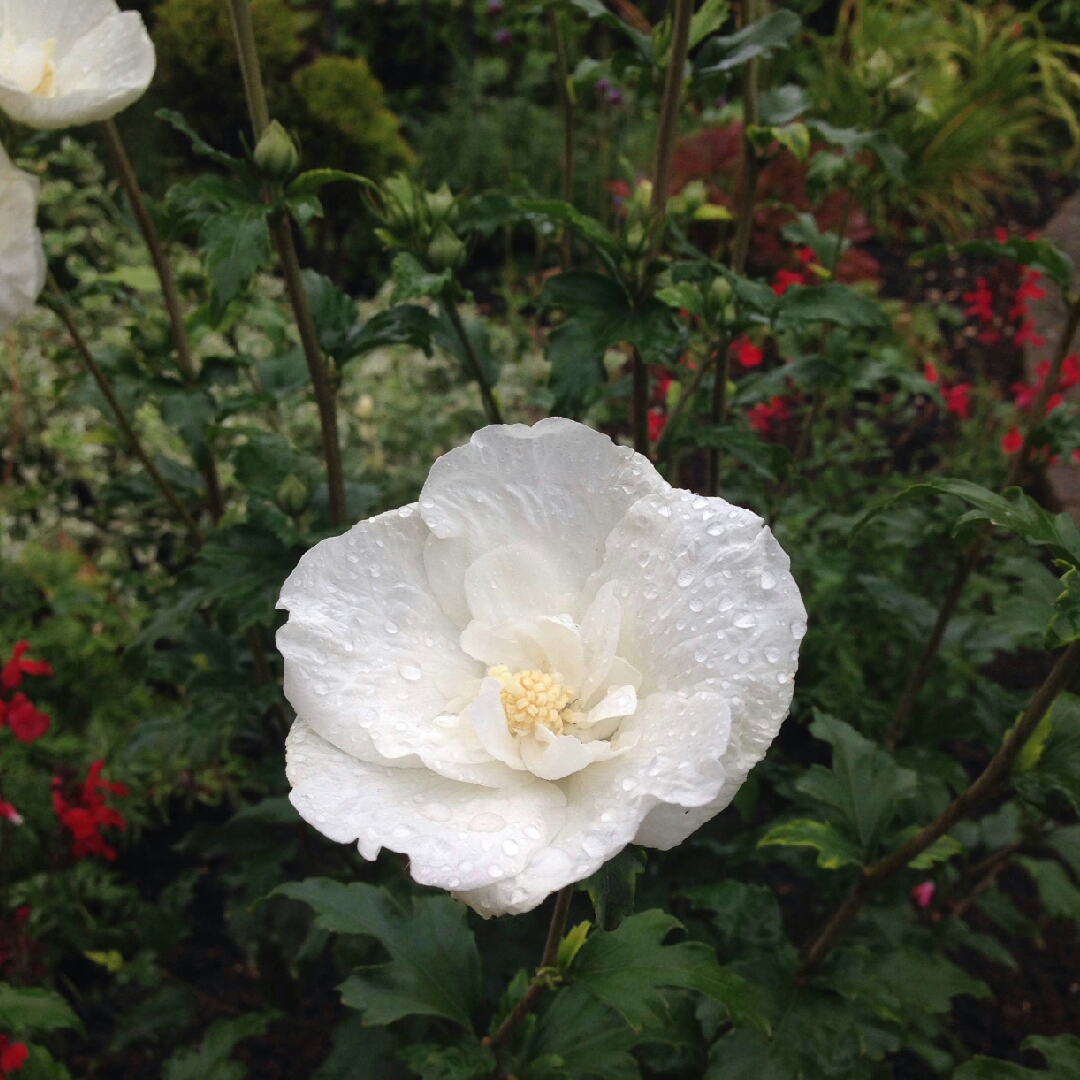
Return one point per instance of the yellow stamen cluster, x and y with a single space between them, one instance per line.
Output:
534 697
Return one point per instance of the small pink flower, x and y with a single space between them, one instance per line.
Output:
923 894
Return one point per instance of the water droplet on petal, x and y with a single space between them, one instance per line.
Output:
798 629
412 672
487 822
772 654
745 621
768 580
437 811
391 628
510 847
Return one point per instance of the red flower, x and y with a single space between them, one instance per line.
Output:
657 420
805 255
747 354
923 893
12 1056
1001 235
1070 371
929 372
784 280
980 302
1053 401
958 399
1028 289
26 723
9 813
12 672
1012 441
1027 335
761 416
88 815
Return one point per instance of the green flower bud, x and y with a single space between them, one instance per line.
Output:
694 195
440 202
446 251
276 155
720 290
293 495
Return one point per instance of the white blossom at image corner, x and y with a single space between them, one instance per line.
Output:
22 257
550 655
69 62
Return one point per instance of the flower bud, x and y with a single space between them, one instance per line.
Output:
694 195
440 202
293 495
720 290
276 155
446 251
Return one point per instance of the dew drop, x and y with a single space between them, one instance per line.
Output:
510 847
495 871
696 605
781 678
436 811
798 629
412 672
768 580
532 832
375 570
745 621
772 654
685 578
701 656
391 628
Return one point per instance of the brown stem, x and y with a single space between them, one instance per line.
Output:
841 235
325 392
924 665
130 183
984 874
473 365
718 414
281 234
14 432
539 983
669 113
56 301
640 414
632 15
985 786
751 165
566 105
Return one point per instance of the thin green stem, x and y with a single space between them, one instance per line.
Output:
55 299
473 366
985 786
540 981
281 233
566 106
718 408
130 183
751 165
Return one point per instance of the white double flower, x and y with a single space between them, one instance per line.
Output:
550 655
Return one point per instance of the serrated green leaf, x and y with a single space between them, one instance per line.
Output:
23 1009
1058 894
212 1059
571 944
198 143
723 54
467 1060
830 302
434 967
941 850
834 849
412 281
629 969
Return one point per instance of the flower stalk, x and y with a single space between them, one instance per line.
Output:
55 299
901 716
751 166
129 182
566 105
473 365
542 979
987 784
281 234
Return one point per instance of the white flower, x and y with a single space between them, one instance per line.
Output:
22 258
68 62
552 654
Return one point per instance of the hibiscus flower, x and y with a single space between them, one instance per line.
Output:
550 655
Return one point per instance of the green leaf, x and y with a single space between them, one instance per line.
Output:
353 1042
212 1059
1058 894
853 141
723 54
190 413
1013 510
1055 775
941 850
333 311
1062 1053
434 967
577 1037
767 460
1066 842
707 20
833 847
467 1060
985 1068
314 180
830 302
611 888
780 105
554 211
413 282
403 324
236 246
1038 254
198 143
629 969
863 786
747 917
596 11
478 332
571 944
1064 625
28 1010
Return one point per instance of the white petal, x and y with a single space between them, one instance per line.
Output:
369 652
488 719
557 487
676 760
457 836
600 628
104 61
501 645
446 562
561 644
714 607
554 757
512 583
22 257
618 701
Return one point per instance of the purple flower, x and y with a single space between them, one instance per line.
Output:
602 86
495 7
613 96
503 37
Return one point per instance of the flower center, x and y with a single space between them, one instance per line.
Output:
32 68
533 697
